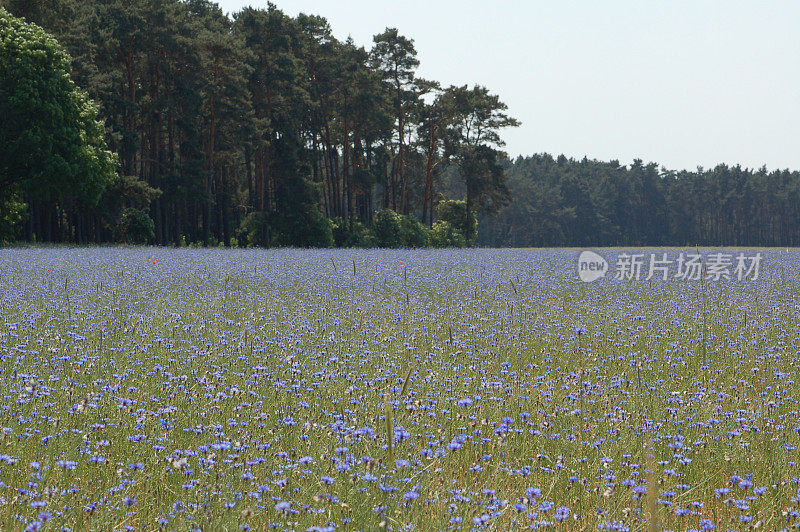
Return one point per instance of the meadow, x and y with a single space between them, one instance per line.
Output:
150 388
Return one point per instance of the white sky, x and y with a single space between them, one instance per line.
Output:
680 82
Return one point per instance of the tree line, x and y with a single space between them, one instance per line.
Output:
260 127
192 127
569 202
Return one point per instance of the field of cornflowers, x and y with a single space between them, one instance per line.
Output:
427 390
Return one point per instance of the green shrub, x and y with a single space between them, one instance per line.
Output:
12 213
444 235
253 230
393 230
455 213
413 233
136 226
309 229
305 229
387 229
359 236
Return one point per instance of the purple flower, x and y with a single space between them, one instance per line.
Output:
562 512
411 495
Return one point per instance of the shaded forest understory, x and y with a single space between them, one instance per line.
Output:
264 129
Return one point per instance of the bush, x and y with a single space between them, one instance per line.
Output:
253 230
413 233
136 226
393 230
455 213
309 229
12 213
444 235
387 229
304 229
359 236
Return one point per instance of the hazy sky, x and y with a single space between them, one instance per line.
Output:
681 83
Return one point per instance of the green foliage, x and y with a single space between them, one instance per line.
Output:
485 179
393 230
455 214
255 112
253 231
360 236
215 116
387 229
309 230
12 213
136 226
473 142
121 193
560 201
52 144
130 190
444 235
412 232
